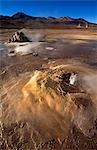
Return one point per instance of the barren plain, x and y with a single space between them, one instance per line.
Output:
39 108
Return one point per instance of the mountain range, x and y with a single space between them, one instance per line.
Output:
22 20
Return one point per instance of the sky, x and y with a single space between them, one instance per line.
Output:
86 9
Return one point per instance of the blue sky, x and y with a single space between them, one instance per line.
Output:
86 9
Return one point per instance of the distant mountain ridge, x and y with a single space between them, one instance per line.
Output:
22 20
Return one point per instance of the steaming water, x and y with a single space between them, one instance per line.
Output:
3 52
2 47
27 49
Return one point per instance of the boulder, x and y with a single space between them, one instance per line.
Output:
18 37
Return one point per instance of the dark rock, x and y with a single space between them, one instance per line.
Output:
35 54
19 37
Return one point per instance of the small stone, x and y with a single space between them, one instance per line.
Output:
35 54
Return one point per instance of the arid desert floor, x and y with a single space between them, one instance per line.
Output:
39 108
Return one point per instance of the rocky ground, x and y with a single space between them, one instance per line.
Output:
39 108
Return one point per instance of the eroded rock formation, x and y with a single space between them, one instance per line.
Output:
18 37
72 102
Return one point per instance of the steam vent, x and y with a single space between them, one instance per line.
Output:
52 110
